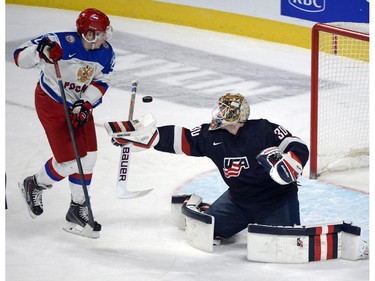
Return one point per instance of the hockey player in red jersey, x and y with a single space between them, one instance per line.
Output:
86 61
259 161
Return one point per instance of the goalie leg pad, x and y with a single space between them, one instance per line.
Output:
188 214
176 204
302 244
199 226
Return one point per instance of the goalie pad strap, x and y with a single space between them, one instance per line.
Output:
305 230
195 214
180 199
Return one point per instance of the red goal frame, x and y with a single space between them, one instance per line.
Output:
315 79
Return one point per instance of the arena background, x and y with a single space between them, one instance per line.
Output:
259 19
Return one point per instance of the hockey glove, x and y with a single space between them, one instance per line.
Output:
49 51
142 133
283 168
80 114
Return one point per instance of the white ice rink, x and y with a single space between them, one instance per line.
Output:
138 240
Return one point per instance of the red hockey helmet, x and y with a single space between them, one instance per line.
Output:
92 19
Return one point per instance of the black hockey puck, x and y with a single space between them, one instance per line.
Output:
147 99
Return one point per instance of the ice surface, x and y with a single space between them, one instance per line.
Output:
138 240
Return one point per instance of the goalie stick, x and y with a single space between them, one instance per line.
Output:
122 191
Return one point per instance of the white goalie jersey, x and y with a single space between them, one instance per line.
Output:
85 74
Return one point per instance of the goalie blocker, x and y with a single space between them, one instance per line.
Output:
283 168
276 244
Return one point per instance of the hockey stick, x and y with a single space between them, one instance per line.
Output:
132 99
78 159
122 191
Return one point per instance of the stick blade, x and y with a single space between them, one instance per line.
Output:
126 194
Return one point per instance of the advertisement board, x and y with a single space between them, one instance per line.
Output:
327 10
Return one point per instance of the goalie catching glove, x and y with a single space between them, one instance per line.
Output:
283 168
143 132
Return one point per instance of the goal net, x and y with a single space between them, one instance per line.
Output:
339 97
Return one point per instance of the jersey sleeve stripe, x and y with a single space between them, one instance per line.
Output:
288 140
102 87
184 142
177 140
16 54
181 144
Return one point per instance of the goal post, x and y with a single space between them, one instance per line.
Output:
339 125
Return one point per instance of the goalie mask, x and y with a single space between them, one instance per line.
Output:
96 21
229 110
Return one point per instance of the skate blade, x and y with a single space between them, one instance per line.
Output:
86 231
22 189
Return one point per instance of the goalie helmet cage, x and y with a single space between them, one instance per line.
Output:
339 98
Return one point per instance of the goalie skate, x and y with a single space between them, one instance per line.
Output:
77 222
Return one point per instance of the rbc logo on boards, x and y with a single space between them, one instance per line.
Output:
311 6
327 10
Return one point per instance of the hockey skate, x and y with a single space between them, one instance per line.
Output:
32 192
77 221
